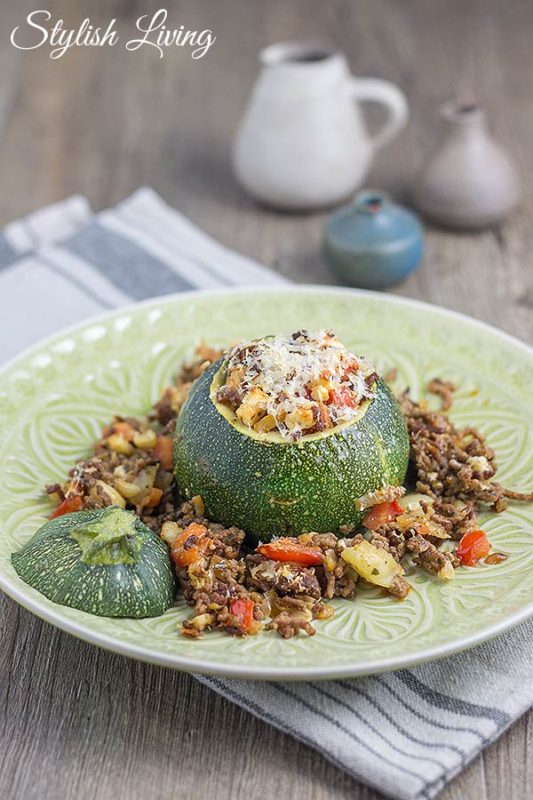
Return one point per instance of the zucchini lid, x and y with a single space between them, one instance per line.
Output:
102 561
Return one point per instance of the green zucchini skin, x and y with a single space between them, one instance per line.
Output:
272 489
51 562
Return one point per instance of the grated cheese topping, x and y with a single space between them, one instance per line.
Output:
297 384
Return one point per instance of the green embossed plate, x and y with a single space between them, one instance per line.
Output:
55 398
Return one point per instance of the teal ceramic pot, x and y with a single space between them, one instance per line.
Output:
373 243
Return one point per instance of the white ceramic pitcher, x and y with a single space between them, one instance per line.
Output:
302 143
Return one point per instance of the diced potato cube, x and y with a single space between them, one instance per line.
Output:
169 531
480 465
235 377
325 612
446 572
330 560
145 440
198 505
113 496
373 564
202 621
119 444
300 418
320 390
126 488
246 415
253 405
411 500
267 423
256 397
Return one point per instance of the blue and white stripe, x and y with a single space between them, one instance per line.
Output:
84 264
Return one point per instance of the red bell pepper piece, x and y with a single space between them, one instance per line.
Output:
189 546
381 514
163 451
286 550
243 609
68 505
342 397
473 546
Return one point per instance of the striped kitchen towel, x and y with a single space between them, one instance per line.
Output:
405 733
62 264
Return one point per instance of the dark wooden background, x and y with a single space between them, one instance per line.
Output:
76 722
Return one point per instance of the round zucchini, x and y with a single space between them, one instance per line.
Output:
104 561
269 486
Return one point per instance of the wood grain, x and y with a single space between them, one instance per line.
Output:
77 722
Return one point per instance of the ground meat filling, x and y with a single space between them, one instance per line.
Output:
131 464
232 587
283 577
456 467
295 385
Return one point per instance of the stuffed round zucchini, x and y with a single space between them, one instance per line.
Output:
287 434
104 561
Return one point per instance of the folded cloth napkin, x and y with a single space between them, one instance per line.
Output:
62 264
405 733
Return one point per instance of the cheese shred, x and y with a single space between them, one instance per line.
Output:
297 384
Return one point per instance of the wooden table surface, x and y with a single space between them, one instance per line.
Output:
77 722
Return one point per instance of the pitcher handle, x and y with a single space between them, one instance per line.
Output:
375 90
